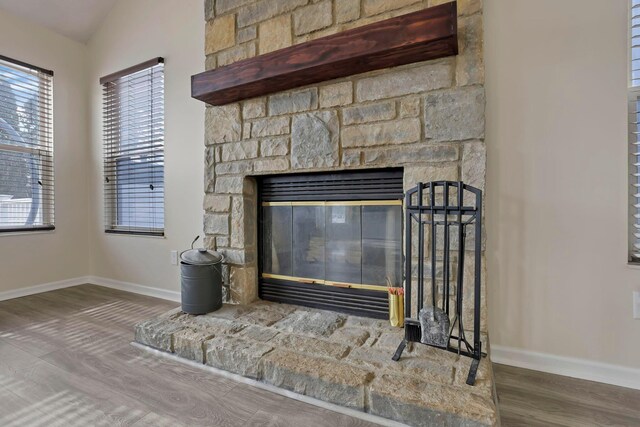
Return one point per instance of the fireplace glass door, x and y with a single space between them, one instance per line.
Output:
352 243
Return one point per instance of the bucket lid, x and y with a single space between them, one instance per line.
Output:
201 256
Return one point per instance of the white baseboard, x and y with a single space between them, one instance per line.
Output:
567 366
44 287
101 281
134 288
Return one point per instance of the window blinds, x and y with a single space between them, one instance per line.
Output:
133 123
634 132
26 147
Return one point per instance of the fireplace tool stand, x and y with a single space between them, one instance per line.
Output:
432 208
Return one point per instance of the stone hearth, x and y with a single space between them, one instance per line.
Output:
341 359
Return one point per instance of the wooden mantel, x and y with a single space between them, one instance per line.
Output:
419 36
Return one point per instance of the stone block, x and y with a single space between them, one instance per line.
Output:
455 115
270 127
254 108
410 107
347 10
314 140
351 335
380 360
236 355
233 256
369 113
469 61
215 325
474 163
429 172
311 345
313 17
222 124
374 7
422 404
247 34
424 153
239 151
275 34
276 164
223 6
320 323
336 94
264 9
209 9
237 223
390 339
220 33
230 311
236 53
484 376
234 168
317 377
258 333
401 131
368 323
216 224
188 343
157 333
392 83
267 317
243 278
277 146
229 184
216 203
293 102
351 158
465 7
210 62
209 174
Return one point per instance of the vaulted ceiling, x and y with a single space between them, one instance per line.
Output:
76 19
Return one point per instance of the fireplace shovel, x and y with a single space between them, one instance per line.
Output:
434 326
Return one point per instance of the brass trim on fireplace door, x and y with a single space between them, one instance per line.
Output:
341 203
380 288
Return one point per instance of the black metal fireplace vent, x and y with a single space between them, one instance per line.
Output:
442 217
364 196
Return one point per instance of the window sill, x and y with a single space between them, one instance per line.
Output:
26 232
134 234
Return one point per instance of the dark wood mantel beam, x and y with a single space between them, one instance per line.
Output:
419 36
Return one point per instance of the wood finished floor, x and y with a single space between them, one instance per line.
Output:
66 360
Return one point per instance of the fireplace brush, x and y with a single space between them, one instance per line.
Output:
431 208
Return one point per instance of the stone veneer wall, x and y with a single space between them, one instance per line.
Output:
427 117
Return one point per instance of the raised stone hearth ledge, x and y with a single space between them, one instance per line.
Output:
337 358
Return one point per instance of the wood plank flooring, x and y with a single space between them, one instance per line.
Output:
66 360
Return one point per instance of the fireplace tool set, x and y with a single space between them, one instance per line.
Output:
442 212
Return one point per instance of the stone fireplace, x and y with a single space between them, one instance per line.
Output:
426 118
304 197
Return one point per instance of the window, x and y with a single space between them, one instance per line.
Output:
634 132
134 149
26 147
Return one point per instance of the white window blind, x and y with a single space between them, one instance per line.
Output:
634 132
134 149
26 147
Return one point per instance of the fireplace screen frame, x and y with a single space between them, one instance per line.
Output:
382 187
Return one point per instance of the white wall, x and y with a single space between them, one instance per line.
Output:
37 258
557 179
135 31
